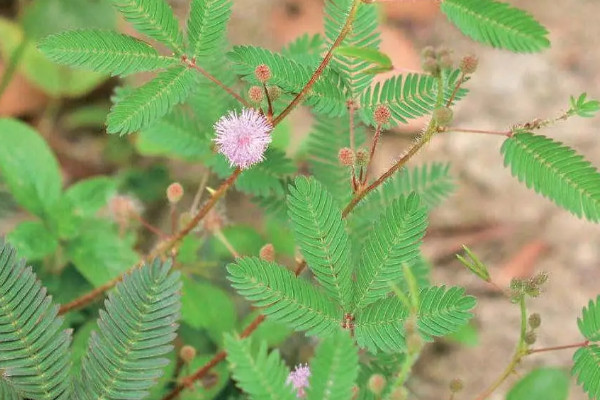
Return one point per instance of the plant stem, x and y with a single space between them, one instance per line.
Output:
149 226
372 152
270 111
554 348
223 239
351 125
456 88
319 71
192 64
502 133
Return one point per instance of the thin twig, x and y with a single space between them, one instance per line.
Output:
198 195
502 133
270 110
456 87
372 152
554 348
218 233
149 226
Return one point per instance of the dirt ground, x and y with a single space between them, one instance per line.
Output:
534 234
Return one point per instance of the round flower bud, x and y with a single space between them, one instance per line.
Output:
468 64
443 116
256 94
531 289
362 157
274 92
456 385
187 354
376 383
446 62
430 65
174 192
530 337
535 320
262 73
382 115
540 278
442 52
346 156
267 252
428 52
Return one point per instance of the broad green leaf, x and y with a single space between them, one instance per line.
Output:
541 384
33 240
497 24
28 167
88 196
103 51
145 104
555 171
207 26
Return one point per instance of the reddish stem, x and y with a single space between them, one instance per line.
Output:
372 152
567 346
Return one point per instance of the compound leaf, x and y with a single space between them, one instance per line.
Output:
589 323
443 310
207 26
586 366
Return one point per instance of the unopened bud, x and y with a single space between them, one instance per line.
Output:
262 73
446 62
430 65
376 383
174 192
187 354
443 116
532 289
535 320
382 115
530 337
362 157
456 385
468 64
267 252
274 92
346 156
256 94
443 52
540 278
428 52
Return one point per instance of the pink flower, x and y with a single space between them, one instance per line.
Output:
299 378
243 138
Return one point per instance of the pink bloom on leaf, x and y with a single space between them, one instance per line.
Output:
299 378
243 138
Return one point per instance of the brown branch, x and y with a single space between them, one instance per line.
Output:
319 71
568 346
372 152
192 64
456 87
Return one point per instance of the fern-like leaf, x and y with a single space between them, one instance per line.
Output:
34 350
443 311
394 241
326 96
7 392
555 171
207 26
260 374
125 357
322 236
103 51
327 137
267 177
153 18
589 323
305 49
151 101
407 97
283 296
586 366
333 369
363 34
380 326
497 24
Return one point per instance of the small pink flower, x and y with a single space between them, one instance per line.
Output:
243 138
299 378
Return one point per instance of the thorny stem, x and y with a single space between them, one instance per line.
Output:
502 133
372 153
191 63
319 71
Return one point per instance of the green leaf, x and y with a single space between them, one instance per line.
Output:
126 355
283 296
259 374
555 171
205 306
497 24
268 176
34 350
586 367
370 55
333 369
394 241
443 310
541 384
380 326
88 196
326 96
305 49
147 103
474 264
7 392
589 323
467 336
582 107
28 167
33 240
363 36
103 51
207 25
407 97
153 18
322 237
99 254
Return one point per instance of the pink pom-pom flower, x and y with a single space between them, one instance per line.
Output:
299 379
243 138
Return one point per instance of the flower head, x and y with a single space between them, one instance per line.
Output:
299 378
243 138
